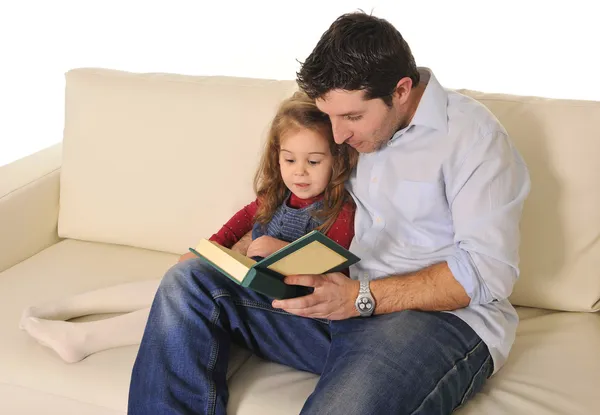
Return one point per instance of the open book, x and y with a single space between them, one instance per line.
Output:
314 253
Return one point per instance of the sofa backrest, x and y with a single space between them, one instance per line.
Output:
158 161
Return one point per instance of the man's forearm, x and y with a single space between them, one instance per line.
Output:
431 289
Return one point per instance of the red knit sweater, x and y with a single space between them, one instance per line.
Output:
342 230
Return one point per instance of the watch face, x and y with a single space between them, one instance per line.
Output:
364 304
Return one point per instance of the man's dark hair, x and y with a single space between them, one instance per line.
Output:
358 52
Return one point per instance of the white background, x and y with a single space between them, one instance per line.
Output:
525 47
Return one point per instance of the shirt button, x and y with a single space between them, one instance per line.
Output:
374 179
378 219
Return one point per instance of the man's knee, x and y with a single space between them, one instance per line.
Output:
422 359
192 278
181 275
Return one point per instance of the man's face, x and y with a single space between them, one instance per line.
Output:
364 124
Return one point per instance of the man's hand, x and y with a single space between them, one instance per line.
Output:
264 246
333 297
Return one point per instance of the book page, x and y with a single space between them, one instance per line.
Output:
314 258
231 262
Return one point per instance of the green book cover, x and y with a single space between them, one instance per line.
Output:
314 253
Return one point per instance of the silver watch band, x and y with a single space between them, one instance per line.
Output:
365 303
364 287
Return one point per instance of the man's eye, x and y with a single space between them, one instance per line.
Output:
353 117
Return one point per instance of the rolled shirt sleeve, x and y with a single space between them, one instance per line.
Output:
486 197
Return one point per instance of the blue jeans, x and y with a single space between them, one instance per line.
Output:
408 362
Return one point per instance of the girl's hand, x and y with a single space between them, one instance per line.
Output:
188 255
264 246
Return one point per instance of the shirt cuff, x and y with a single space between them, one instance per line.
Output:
465 272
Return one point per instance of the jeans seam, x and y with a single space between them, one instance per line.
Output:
255 304
214 352
462 401
453 368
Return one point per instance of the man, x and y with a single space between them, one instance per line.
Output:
439 190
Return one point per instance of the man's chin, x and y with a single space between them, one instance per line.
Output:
362 147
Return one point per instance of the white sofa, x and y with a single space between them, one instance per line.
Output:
150 163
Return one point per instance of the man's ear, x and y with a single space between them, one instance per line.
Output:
402 90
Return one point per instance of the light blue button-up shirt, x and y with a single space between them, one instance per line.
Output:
449 187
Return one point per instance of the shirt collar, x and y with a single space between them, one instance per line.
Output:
432 110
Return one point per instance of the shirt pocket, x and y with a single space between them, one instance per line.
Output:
424 217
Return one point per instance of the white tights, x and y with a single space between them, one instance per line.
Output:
74 341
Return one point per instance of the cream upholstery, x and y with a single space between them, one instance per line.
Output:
68 267
150 163
140 161
28 206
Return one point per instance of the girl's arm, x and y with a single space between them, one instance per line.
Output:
239 225
237 229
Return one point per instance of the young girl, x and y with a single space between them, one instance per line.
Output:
299 186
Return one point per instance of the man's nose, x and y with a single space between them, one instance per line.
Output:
340 134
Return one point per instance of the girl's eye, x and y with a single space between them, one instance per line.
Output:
289 161
354 117
314 163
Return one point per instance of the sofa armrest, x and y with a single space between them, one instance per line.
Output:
29 196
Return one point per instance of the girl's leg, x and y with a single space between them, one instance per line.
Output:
120 298
75 341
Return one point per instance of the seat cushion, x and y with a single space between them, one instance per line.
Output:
554 368
98 384
17 400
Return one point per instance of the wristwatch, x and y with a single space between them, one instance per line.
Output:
365 303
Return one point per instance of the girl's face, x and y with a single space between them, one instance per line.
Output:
305 162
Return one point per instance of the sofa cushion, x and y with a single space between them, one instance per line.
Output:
17 400
98 384
553 367
159 161
560 251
